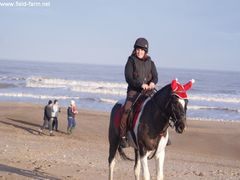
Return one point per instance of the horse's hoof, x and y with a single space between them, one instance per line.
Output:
169 142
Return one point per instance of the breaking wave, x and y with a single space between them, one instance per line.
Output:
42 96
98 87
219 98
109 88
104 100
213 108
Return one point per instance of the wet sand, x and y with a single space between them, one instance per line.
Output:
207 150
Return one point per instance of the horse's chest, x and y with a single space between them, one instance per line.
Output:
151 144
148 136
149 141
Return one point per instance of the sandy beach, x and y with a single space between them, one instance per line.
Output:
207 150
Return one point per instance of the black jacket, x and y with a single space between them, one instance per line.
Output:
47 112
138 72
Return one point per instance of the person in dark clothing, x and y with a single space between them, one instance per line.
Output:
47 117
141 75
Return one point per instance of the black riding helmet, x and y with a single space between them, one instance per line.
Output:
141 43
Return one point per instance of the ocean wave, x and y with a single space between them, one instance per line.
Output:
41 96
213 108
215 99
99 87
35 96
110 101
11 78
106 100
40 82
213 119
113 88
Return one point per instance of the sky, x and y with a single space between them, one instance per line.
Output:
192 34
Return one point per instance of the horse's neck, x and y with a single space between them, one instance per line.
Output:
159 120
159 109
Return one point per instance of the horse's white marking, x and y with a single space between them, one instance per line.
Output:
160 156
182 102
137 169
144 162
111 167
140 114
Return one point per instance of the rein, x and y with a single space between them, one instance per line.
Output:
173 120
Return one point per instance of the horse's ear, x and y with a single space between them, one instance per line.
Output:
188 85
174 85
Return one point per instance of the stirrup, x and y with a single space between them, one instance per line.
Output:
123 142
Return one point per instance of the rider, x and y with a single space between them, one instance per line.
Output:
140 74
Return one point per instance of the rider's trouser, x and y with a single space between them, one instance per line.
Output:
131 96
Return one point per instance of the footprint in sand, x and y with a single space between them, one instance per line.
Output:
198 173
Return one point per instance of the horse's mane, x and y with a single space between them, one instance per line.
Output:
163 94
164 91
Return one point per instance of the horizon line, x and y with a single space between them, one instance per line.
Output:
117 65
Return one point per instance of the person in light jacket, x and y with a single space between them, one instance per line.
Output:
55 111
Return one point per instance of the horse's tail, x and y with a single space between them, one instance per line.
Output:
123 155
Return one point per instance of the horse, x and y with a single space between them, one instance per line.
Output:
149 136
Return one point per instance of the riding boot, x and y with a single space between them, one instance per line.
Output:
131 97
123 129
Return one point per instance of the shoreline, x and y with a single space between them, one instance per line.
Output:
108 112
207 150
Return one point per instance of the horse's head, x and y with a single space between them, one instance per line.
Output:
178 104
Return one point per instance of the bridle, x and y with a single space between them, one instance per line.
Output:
173 120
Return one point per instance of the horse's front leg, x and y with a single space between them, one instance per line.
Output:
160 156
144 162
111 167
111 159
137 166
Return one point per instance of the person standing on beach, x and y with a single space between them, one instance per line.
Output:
55 111
47 117
140 74
71 113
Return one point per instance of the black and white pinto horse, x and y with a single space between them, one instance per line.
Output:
149 134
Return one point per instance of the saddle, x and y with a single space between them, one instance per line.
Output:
133 114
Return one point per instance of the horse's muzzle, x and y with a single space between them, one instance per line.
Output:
179 127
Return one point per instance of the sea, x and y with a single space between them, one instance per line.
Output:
215 95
